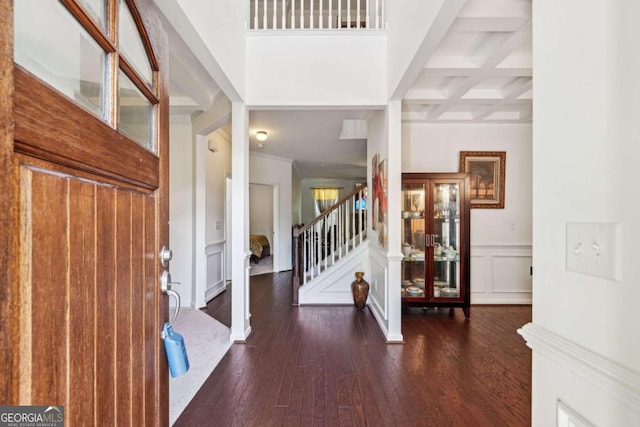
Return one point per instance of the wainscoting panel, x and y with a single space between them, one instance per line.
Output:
379 286
215 270
500 274
519 280
478 278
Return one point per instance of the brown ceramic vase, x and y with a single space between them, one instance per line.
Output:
360 290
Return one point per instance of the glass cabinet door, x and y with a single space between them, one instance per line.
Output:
435 232
445 240
414 243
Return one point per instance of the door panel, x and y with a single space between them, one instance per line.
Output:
85 212
43 279
104 339
82 292
155 368
124 306
104 302
137 313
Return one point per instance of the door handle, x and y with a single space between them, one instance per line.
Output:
165 281
165 286
177 297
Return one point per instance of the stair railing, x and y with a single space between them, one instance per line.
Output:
329 237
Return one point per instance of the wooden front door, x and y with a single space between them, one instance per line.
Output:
84 190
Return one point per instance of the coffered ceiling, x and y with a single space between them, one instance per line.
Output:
481 71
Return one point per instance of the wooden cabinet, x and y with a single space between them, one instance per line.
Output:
436 233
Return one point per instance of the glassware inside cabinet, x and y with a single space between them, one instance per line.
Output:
413 219
413 240
413 200
446 240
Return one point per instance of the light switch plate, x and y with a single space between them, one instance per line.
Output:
592 248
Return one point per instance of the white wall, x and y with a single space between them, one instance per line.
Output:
346 185
316 68
585 161
500 238
218 167
436 148
276 172
181 202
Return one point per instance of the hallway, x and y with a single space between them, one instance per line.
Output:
330 366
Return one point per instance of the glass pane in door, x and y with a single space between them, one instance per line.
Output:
446 240
98 11
135 113
51 44
130 42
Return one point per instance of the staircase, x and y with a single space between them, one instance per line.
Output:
328 249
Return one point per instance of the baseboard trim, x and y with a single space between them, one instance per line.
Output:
214 291
242 338
389 339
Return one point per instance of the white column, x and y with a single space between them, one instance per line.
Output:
394 188
240 325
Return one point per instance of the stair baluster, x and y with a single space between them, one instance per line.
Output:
347 14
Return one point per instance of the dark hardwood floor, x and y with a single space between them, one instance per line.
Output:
220 307
330 366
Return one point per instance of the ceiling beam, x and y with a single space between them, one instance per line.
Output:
435 34
185 79
510 98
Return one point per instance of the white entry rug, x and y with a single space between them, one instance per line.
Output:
207 341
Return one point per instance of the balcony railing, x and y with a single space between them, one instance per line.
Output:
316 14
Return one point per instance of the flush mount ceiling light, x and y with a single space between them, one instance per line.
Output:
261 135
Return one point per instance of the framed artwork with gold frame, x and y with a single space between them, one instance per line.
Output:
487 173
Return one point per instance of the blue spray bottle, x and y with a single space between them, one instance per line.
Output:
174 343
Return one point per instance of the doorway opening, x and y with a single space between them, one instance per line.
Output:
262 228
